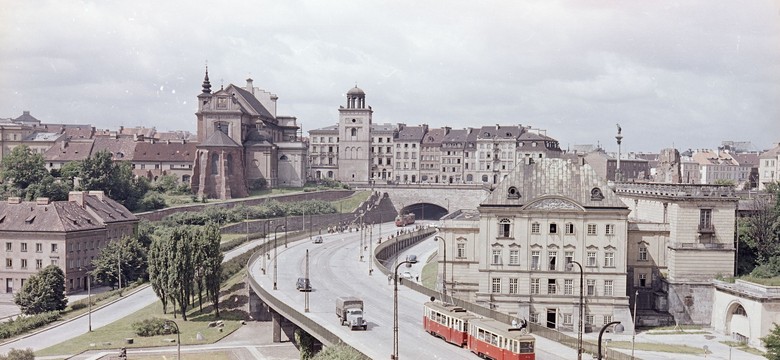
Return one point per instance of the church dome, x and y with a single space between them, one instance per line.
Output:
356 91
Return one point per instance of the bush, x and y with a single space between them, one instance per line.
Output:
258 184
16 354
768 269
152 327
23 324
151 201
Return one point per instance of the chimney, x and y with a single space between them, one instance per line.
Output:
42 201
14 200
26 112
249 86
77 197
97 194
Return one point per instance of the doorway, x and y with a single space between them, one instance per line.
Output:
551 315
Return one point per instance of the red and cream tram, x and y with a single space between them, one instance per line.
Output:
495 340
487 338
447 321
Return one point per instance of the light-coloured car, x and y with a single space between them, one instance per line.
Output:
318 239
407 275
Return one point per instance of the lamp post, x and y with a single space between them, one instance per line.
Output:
444 275
89 298
618 329
633 335
569 267
275 252
178 337
394 355
268 224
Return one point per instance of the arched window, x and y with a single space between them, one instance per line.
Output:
353 132
512 193
230 164
283 158
484 178
214 164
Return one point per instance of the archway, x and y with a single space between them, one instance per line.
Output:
737 322
425 211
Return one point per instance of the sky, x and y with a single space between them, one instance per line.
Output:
687 74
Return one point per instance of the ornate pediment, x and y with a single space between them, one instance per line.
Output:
553 204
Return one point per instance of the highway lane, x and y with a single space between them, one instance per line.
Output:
335 270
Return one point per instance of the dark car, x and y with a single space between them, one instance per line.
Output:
411 259
303 284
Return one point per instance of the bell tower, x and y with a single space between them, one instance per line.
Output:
355 138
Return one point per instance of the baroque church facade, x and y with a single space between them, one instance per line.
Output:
243 143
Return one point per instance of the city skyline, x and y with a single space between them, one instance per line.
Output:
672 74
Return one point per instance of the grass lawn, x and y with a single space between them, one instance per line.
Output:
428 275
670 348
231 237
348 204
743 347
677 328
112 336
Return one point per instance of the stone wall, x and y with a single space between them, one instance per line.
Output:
690 303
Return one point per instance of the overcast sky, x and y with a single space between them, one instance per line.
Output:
689 74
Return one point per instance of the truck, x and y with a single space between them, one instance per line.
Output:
349 309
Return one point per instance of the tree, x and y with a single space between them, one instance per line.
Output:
761 230
772 344
16 354
127 254
22 167
42 292
100 172
181 269
729 182
159 260
213 264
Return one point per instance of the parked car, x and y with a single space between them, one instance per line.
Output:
318 239
407 275
303 284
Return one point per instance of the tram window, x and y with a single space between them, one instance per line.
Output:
526 347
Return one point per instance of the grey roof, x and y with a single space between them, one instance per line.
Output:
59 216
219 139
108 210
457 135
327 129
434 136
553 178
27 118
356 91
43 136
163 151
411 133
383 127
501 132
256 108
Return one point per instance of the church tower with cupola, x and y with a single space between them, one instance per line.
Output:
355 138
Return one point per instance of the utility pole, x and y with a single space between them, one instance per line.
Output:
370 249
119 266
306 293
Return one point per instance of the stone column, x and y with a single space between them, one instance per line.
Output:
276 331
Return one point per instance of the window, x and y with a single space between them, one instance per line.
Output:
513 286
9 246
24 247
495 285
553 228
535 255
591 259
461 252
53 247
569 229
705 218
496 257
535 228
9 263
514 257
568 287
642 253
503 228
609 229
608 287
609 259
534 286
590 287
552 259
551 286
534 318
24 263
607 319
589 319
568 257
38 263
567 319
642 280
592 229
38 247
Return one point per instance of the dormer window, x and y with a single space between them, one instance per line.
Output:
596 194
512 193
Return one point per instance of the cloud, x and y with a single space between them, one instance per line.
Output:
692 72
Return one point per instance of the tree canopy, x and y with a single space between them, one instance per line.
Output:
127 254
42 292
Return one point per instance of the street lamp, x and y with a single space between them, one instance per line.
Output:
394 355
444 276
178 337
618 329
89 298
275 251
569 267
